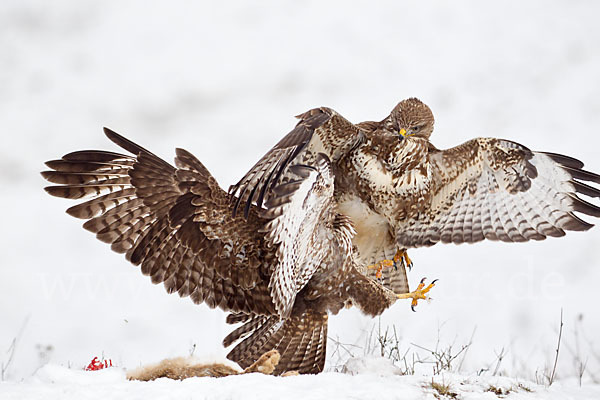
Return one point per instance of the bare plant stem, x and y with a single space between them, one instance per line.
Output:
462 360
11 350
551 380
499 358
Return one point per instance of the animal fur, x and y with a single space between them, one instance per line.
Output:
182 368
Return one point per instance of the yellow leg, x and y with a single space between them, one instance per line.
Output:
401 257
380 266
418 294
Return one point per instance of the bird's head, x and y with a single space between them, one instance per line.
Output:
411 118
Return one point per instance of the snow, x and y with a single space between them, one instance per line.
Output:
224 81
381 366
55 382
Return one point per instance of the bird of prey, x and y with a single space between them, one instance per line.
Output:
280 270
401 192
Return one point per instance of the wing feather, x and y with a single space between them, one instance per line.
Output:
320 130
298 227
175 222
500 190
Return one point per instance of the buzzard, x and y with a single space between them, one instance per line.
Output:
280 270
401 192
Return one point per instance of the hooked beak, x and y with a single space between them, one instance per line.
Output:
402 132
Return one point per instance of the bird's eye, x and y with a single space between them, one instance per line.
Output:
416 128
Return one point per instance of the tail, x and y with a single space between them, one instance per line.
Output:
300 339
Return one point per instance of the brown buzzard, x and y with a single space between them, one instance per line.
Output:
401 192
279 270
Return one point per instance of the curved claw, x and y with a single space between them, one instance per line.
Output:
406 261
434 281
420 293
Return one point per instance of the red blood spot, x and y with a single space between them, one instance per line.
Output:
97 364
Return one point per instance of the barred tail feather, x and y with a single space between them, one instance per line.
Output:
300 339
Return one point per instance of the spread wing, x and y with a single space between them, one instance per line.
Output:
175 222
500 190
301 214
320 130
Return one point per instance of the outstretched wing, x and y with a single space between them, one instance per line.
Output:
320 130
301 212
500 190
175 222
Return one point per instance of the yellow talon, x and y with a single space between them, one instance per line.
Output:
418 294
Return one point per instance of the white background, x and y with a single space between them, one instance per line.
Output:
224 80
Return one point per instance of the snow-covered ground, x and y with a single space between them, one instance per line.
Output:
223 81
60 383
